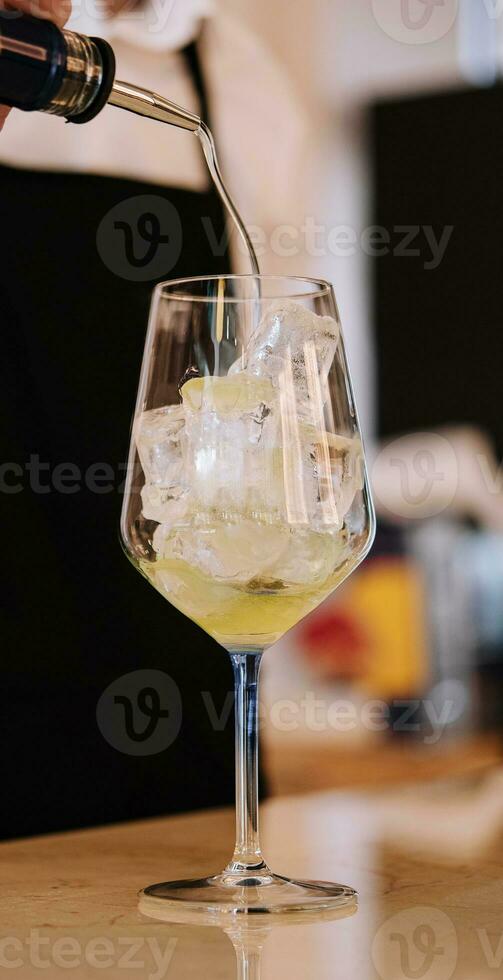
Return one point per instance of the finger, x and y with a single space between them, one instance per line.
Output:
4 112
55 10
114 7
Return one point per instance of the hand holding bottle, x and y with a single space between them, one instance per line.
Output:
55 10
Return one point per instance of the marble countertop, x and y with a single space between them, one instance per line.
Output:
427 861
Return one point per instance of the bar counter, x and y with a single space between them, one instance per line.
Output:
427 861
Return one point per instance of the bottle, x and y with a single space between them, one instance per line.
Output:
67 74
53 70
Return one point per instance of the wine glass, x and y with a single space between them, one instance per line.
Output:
246 505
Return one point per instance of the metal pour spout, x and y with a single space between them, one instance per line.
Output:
146 103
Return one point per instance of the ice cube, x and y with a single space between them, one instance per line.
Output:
321 475
346 458
286 333
230 441
310 557
167 505
258 556
233 552
158 435
332 475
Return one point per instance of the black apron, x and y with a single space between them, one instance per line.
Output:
75 614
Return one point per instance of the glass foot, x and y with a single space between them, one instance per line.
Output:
245 894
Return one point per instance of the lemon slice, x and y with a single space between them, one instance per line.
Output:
236 393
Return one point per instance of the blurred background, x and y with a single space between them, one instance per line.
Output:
403 668
363 144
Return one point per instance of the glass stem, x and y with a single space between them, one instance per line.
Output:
248 964
247 854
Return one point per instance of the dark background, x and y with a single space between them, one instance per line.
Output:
75 614
438 160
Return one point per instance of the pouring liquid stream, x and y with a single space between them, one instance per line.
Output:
209 150
146 103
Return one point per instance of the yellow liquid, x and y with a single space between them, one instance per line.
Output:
238 617
237 553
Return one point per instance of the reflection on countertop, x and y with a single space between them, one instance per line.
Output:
427 862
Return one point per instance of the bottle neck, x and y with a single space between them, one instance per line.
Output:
82 79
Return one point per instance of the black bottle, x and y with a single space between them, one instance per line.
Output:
51 70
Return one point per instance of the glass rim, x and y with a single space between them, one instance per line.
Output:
322 288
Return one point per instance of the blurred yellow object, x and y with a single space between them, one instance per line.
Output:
387 598
373 633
